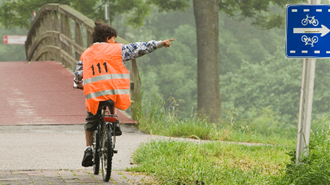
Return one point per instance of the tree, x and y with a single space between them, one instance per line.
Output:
208 80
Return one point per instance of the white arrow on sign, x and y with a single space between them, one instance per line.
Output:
324 30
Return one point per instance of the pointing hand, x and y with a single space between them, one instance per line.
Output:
167 43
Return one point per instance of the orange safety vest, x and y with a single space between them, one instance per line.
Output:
105 76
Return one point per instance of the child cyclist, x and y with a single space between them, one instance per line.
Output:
102 74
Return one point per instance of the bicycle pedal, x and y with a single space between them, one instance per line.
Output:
115 151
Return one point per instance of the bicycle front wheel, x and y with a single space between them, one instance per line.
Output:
107 153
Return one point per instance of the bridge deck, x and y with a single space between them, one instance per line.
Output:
39 93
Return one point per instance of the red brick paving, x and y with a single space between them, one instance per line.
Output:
39 93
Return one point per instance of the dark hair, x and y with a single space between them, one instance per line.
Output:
102 32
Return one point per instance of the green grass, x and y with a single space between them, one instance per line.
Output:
212 162
315 167
217 162
178 162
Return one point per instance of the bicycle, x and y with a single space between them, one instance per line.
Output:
309 41
309 20
104 140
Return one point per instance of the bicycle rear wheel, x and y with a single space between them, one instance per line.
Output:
107 153
96 146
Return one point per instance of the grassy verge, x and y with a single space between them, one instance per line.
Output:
175 162
212 162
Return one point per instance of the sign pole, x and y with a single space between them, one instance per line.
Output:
107 12
306 101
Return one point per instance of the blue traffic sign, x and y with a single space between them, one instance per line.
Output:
307 31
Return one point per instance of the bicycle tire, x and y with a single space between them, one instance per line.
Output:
107 153
304 22
96 146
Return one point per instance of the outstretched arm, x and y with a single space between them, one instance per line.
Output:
129 52
138 49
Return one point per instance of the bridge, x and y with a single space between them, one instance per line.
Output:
40 90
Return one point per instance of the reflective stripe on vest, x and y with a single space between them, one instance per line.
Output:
108 92
106 77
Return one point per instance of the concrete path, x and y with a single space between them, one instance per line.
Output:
49 152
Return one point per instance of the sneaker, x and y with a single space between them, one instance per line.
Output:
88 158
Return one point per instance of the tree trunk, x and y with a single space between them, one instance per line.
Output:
208 82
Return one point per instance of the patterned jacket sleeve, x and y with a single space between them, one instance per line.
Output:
78 76
138 49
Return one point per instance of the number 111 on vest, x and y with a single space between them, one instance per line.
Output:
99 68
